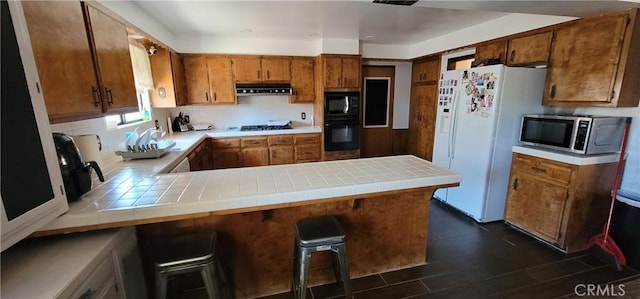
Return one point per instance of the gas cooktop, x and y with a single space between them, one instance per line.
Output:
264 128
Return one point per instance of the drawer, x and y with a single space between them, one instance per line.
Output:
225 143
281 140
306 139
542 168
308 152
254 141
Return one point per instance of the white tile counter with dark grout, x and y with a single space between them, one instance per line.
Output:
382 203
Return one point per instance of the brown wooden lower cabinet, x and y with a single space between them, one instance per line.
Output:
279 155
264 150
563 204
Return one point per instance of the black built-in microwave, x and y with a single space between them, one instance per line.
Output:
341 105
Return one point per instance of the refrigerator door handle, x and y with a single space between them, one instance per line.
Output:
454 127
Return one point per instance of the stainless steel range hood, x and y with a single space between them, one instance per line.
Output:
276 89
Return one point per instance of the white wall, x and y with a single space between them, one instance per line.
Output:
141 19
402 92
369 50
507 25
250 110
222 45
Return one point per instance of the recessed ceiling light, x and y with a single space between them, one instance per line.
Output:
246 31
369 37
313 34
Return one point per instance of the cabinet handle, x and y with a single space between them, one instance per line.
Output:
538 169
96 96
339 81
552 93
206 95
268 74
513 55
109 96
515 184
258 73
215 96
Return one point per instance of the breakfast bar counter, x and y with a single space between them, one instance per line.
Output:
382 203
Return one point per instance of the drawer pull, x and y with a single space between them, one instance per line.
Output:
515 184
538 169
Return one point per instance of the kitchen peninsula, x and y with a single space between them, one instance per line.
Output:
383 204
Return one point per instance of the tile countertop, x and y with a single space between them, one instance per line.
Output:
138 190
565 157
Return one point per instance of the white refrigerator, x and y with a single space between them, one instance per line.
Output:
477 123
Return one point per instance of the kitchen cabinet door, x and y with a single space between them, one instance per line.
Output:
168 80
332 68
221 80
422 120
276 69
228 158
281 155
530 50
197 76
247 69
180 86
536 206
303 80
307 153
493 50
255 156
63 57
351 72
584 61
114 61
426 70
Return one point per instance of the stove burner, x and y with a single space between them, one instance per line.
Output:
264 128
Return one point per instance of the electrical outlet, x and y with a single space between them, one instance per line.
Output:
303 115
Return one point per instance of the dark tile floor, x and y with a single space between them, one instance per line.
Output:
470 260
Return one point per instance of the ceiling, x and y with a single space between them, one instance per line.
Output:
363 20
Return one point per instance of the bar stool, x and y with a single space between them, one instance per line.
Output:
185 254
319 234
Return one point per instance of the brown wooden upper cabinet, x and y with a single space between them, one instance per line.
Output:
530 49
426 70
210 80
168 80
595 62
83 72
492 50
302 80
262 69
341 71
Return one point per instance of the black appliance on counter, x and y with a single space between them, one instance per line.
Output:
76 173
341 121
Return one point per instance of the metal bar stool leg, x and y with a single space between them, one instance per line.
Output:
303 278
210 280
344 269
161 285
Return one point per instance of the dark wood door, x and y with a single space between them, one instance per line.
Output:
376 134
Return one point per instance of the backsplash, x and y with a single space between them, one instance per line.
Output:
112 139
250 110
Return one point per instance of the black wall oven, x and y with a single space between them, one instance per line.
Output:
341 135
341 121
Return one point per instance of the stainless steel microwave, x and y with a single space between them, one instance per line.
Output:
580 134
